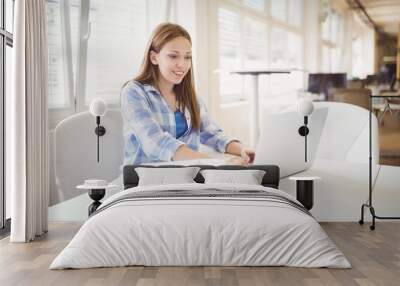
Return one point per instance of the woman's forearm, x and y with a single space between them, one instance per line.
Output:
234 148
185 153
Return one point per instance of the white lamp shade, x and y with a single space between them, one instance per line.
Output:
98 107
305 107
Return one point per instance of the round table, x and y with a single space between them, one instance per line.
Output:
305 190
96 193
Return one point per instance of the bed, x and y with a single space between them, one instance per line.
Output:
198 224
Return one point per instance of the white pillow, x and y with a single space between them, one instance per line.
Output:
164 176
248 177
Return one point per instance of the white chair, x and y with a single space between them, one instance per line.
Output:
73 150
342 163
75 155
346 134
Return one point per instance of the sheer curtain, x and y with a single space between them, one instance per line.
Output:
27 123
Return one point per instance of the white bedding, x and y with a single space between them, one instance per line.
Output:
200 231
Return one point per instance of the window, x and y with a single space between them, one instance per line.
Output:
279 10
249 39
363 48
255 36
286 49
332 30
62 30
231 86
255 4
107 69
95 46
288 11
6 44
9 15
357 66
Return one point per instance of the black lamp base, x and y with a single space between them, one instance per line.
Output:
100 130
304 131
96 195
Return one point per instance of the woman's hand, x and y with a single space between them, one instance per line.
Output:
234 160
247 155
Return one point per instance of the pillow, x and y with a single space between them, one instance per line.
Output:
164 176
248 177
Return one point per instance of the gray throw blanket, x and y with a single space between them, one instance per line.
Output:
206 194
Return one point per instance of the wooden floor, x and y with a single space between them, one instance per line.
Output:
374 255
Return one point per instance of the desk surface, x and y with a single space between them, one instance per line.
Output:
263 71
389 92
304 178
385 96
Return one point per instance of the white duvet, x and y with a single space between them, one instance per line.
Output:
200 231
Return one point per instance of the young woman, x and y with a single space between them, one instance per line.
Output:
163 119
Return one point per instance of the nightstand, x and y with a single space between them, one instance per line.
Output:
305 190
96 191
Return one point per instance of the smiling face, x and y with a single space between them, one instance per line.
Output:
174 60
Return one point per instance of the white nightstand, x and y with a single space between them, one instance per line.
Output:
96 191
305 190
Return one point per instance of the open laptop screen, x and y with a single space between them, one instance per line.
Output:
281 144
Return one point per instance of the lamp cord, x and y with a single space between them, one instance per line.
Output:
305 137
305 146
98 141
98 137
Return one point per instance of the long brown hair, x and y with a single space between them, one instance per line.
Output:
149 74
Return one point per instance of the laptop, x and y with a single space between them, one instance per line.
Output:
281 144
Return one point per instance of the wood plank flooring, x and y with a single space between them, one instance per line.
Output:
375 257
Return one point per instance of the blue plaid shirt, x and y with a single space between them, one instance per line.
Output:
150 130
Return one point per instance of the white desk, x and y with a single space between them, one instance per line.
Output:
255 117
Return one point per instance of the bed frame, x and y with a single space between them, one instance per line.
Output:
270 179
